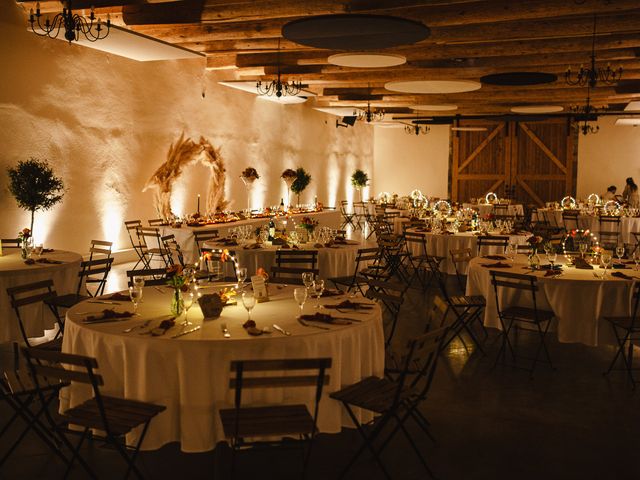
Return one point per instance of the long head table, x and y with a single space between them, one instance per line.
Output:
14 272
190 374
186 240
578 298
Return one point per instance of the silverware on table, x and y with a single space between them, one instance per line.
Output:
184 332
225 331
145 324
103 302
281 330
160 290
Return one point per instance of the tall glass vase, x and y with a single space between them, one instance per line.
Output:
177 304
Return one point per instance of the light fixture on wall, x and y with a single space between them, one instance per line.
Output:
73 24
417 129
277 87
591 75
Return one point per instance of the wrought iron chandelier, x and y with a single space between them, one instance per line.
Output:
417 129
585 114
369 115
278 87
73 24
591 75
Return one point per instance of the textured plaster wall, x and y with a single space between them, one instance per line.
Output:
105 124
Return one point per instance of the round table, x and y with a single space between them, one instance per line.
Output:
441 244
591 222
579 300
335 261
14 272
515 209
190 374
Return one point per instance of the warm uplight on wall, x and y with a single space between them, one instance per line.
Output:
333 181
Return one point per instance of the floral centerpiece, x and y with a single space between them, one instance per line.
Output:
249 175
308 224
289 176
301 182
25 241
536 241
177 281
359 180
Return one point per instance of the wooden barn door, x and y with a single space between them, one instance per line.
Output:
480 160
536 159
542 162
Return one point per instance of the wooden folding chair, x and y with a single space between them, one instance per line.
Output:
32 294
366 259
395 399
492 241
18 390
627 332
291 264
245 423
114 416
529 318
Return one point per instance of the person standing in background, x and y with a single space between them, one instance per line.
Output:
630 194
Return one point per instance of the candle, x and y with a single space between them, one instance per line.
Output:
198 203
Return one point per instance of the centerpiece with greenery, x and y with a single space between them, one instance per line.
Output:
359 180
301 182
34 186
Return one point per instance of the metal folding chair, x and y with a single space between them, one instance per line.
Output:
609 231
291 264
366 259
347 217
489 241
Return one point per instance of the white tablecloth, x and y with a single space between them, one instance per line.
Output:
337 261
190 374
486 209
578 299
591 222
14 272
186 240
440 245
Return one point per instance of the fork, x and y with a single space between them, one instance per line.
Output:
143 325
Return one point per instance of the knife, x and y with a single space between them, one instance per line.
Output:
194 329
104 302
304 322
281 330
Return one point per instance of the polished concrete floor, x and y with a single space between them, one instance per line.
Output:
490 423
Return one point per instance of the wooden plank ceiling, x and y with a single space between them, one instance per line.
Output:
469 39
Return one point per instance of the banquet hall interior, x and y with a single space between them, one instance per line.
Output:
324 239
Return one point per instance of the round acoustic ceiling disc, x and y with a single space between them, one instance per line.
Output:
433 86
354 32
519 79
366 60
434 108
537 109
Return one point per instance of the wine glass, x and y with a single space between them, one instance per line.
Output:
300 294
552 256
241 274
318 288
307 279
135 294
583 248
187 301
249 301
511 251
636 257
606 261
37 249
620 252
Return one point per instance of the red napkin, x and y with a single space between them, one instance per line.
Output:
495 265
621 275
552 273
495 257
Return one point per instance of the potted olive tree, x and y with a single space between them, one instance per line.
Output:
301 182
359 180
34 186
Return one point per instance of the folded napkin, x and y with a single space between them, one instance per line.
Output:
422 229
47 250
552 273
253 246
119 297
331 293
349 305
582 264
250 327
621 275
49 261
618 265
324 318
495 257
107 315
495 265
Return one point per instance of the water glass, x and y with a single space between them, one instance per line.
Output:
620 252
552 256
636 257
135 294
318 288
606 261
37 249
187 302
241 274
583 248
300 294
138 281
307 279
249 301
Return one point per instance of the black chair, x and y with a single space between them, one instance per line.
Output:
492 241
100 249
136 242
11 242
459 257
291 264
570 219
201 236
347 218
156 222
366 259
394 399
609 231
174 252
98 270
18 390
114 416
155 251
526 318
32 294
244 424
627 332
391 295
152 276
